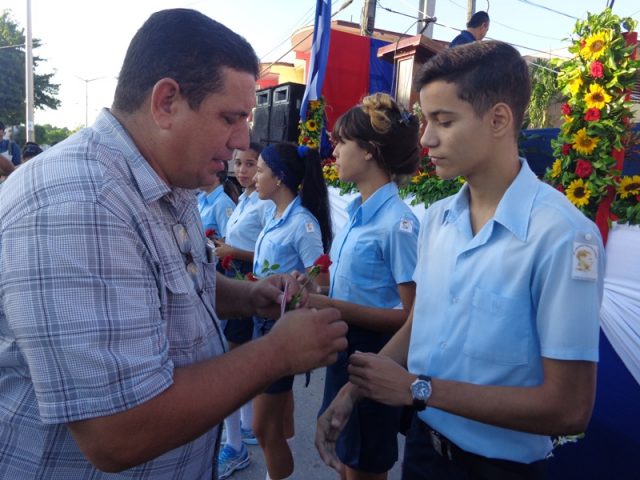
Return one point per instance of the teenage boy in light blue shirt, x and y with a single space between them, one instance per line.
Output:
501 350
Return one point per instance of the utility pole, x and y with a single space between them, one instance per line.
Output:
29 125
368 18
426 8
471 8
86 95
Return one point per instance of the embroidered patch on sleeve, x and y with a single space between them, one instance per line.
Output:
585 261
406 225
309 227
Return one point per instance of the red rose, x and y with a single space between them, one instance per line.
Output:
227 262
560 188
592 115
566 109
323 261
625 121
251 277
583 168
424 152
210 233
566 148
596 69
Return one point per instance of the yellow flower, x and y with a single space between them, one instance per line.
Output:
578 193
311 125
575 85
556 168
597 97
583 143
595 45
314 104
629 186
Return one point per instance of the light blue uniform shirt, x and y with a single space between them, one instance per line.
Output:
215 209
375 251
489 307
294 240
247 221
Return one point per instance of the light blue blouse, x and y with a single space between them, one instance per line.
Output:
293 241
375 251
215 209
247 221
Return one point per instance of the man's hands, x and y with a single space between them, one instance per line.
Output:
266 295
309 338
380 378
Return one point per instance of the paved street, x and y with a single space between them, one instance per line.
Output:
308 463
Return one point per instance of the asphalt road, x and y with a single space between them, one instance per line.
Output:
308 465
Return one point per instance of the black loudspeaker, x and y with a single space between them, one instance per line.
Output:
285 112
262 117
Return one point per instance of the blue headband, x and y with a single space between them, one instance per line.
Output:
272 158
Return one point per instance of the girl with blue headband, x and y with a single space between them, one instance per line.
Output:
374 256
298 231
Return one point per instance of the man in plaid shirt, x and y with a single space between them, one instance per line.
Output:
111 354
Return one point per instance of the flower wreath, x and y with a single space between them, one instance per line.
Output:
590 148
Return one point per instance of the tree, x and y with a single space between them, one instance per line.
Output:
544 92
12 60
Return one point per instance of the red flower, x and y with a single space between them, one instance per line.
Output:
625 121
566 109
592 115
424 152
566 148
323 261
596 69
210 233
227 262
583 168
560 188
251 277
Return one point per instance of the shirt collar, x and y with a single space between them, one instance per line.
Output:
210 198
149 183
369 208
514 209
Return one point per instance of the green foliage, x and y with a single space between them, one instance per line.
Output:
544 92
45 134
12 61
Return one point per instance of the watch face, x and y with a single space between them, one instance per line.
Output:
421 389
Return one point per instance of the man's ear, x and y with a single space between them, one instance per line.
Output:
164 101
501 120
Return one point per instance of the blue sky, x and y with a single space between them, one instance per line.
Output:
87 39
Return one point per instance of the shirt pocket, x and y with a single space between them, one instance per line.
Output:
499 330
366 265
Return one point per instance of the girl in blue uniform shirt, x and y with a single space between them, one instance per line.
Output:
297 232
244 226
215 205
374 256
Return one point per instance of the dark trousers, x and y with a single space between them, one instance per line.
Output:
423 462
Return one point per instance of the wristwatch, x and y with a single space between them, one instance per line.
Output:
421 391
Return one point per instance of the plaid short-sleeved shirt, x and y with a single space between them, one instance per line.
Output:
96 305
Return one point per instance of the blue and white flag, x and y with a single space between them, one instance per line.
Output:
319 55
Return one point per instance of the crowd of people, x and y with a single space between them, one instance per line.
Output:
138 316
11 155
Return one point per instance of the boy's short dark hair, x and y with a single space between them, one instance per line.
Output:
478 19
485 73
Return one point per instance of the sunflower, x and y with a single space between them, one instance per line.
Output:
595 45
311 125
556 168
583 143
575 85
578 193
629 186
597 97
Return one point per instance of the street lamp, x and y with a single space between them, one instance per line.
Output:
86 95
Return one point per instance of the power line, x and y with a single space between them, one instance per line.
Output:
548 9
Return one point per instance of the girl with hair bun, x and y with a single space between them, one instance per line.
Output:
374 256
297 232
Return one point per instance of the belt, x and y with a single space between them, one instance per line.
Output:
488 467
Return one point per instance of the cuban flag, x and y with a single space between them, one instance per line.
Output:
319 55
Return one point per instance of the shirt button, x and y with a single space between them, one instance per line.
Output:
587 236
